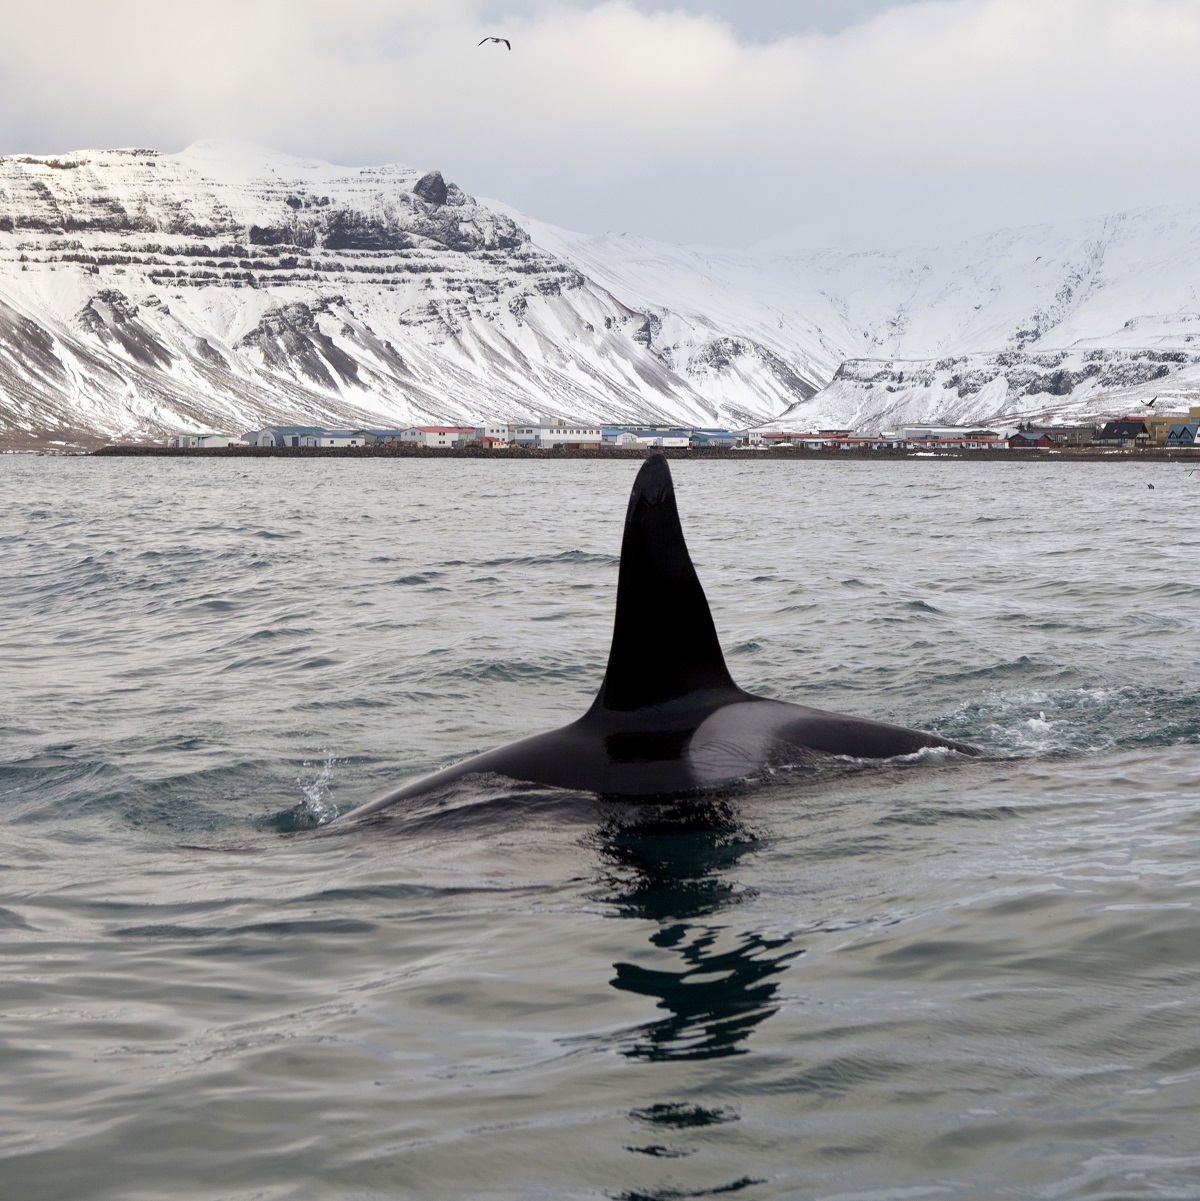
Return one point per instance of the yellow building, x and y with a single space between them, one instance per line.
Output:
1160 423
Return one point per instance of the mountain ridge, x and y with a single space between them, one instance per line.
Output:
228 287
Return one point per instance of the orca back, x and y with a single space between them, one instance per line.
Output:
664 644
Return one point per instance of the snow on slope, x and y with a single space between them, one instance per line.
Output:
995 327
227 287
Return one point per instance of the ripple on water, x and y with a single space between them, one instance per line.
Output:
842 979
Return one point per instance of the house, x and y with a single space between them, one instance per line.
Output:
944 433
282 435
633 436
1127 431
447 436
714 438
1073 435
550 432
381 437
822 440
1032 439
495 437
1183 434
200 441
1159 425
336 438
619 437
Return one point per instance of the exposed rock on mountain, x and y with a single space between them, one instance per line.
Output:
1058 387
228 287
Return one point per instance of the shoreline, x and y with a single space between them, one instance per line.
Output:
412 451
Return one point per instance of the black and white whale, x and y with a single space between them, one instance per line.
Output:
675 724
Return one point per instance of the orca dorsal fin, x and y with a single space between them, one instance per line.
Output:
664 645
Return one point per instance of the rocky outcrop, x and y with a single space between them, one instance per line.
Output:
1009 386
431 188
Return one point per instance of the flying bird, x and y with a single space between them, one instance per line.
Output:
504 40
1150 402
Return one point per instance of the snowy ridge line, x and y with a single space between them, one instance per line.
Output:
1009 314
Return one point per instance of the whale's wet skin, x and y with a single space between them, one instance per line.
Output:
669 721
922 978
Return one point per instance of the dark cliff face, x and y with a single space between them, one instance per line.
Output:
431 188
290 340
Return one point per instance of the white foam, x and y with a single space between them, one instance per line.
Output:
318 797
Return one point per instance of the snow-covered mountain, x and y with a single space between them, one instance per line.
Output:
1041 323
228 287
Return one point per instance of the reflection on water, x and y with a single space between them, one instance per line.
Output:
672 867
714 1001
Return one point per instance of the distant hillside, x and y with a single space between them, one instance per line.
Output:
1042 323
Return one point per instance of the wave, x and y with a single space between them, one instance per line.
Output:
563 557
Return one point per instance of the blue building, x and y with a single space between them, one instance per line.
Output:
725 439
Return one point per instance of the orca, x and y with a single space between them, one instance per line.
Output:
669 721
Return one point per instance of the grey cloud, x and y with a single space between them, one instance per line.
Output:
917 121
762 19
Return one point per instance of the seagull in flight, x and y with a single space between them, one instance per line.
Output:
1150 402
504 40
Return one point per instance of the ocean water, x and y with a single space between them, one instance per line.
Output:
898 981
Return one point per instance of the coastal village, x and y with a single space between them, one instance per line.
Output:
1163 430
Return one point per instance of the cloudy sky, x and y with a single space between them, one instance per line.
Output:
849 122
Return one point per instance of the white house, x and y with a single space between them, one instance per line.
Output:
552 432
945 433
495 436
624 436
337 438
438 435
200 441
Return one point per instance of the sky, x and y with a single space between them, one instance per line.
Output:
849 123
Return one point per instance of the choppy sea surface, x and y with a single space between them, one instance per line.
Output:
899 981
